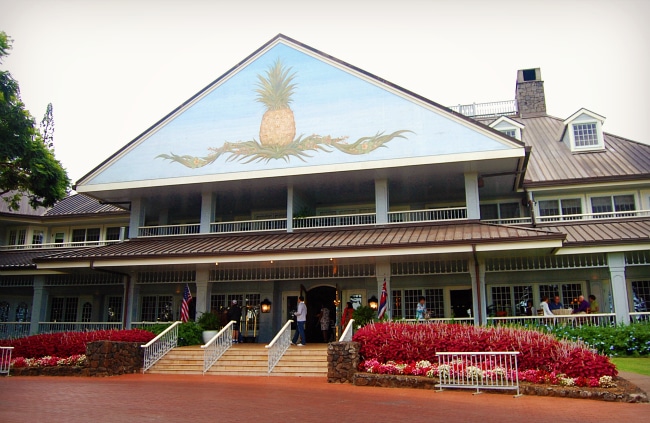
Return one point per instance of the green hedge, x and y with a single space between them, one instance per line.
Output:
188 333
617 341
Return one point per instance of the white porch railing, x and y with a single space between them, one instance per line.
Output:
334 221
51 327
593 216
57 245
169 230
428 215
639 316
11 330
279 345
464 320
575 320
346 336
141 325
511 221
216 346
5 359
248 226
495 108
156 349
480 370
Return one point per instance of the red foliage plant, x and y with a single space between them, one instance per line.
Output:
65 344
406 343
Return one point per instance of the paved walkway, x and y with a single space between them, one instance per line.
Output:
144 398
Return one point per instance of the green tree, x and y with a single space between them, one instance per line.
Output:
28 167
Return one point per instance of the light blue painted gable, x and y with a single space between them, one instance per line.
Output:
341 117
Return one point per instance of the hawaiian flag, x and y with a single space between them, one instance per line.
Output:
383 302
185 306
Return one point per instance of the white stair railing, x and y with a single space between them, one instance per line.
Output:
156 349
5 359
346 336
216 346
279 345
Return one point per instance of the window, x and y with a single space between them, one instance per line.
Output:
85 235
510 132
565 208
411 297
585 134
87 312
501 211
114 309
250 306
17 236
64 309
113 234
571 292
397 312
510 300
617 203
434 300
37 237
4 311
22 312
59 237
157 308
641 295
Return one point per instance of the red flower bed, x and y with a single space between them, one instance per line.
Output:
66 344
406 343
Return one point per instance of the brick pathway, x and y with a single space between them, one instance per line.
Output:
143 398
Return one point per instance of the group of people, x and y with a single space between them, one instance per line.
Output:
583 306
324 321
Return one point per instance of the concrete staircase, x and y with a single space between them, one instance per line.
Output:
246 360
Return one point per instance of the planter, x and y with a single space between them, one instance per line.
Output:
208 335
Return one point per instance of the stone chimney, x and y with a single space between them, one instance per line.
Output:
530 93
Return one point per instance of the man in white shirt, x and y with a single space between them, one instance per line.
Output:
301 318
544 306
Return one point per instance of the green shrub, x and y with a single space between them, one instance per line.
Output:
623 340
364 315
188 333
209 321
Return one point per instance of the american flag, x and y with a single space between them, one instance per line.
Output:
383 302
185 306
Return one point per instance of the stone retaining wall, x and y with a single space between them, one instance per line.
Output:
342 361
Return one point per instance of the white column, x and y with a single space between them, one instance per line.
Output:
39 304
290 206
208 206
381 201
471 196
137 216
477 270
132 301
382 272
619 287
202 291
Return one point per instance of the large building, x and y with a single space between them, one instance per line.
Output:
296 173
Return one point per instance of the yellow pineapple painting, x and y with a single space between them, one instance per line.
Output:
278 127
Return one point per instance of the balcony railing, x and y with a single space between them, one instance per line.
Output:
429 215
11 330
52 327
511 221
334 221
593 216
248 226
57 245
639 316
575 320
497 108
169 230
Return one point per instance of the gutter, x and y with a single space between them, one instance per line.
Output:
127 287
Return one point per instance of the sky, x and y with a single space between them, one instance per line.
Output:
112 69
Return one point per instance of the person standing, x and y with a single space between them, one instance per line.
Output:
301 318
421 310
348 312
235 314
324 318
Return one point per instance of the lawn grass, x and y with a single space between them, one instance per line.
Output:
640 365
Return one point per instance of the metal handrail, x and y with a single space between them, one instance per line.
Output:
346 336
5 359
216 346
156 349
279 345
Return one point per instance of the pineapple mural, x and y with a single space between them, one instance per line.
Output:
278 127
278 130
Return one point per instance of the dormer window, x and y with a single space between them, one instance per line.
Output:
508 126
583 131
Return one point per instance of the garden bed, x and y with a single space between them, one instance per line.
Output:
625 391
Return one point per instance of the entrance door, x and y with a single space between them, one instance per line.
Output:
321 296
289 308
461 302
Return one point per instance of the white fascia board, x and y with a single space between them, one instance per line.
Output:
580 187
508 121
308 170
63 265
32 272
603 249
584 111
520 245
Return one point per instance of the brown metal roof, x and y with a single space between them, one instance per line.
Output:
77 204
602 233
553 163
342 239
24 259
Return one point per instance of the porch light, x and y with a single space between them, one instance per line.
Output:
373 303
266 305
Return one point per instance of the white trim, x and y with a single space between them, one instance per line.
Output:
603 249
308 170
583 111
30 272
582 187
